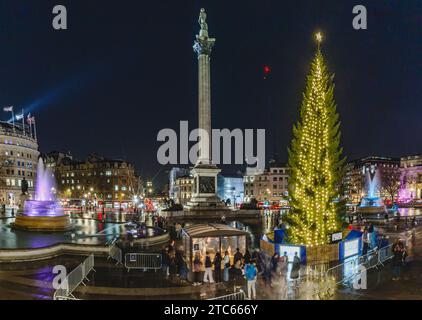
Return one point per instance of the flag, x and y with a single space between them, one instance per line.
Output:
31 120
19 117
8 109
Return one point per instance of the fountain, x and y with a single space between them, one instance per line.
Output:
44 213
371 204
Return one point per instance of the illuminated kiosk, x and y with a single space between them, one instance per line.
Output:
212 238
371 204
44 213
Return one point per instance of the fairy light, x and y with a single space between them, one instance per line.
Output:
315 160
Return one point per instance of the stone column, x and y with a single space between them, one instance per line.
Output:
203 47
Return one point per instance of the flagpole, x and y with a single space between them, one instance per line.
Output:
23 122
30 125
35 129
13 120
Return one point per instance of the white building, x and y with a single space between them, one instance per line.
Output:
18 160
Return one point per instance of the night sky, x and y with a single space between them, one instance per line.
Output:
126 69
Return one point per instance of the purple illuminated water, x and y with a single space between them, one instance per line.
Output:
45 203
45 183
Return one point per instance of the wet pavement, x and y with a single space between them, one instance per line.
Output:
33 280
91 228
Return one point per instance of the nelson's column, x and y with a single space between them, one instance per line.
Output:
204 196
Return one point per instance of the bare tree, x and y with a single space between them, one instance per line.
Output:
390 181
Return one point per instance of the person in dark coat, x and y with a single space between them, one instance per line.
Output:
179 262
238 256
165 262
217 266
247 257
295 268
399 253
197 268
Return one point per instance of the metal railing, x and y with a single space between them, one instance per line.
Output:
240 295
74 279
116 254
144 261
346 273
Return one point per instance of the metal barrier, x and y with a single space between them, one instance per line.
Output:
74 279
241 295
145 261
116 254
346 273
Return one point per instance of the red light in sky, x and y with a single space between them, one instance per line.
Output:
267 69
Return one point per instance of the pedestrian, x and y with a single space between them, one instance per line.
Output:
274 263
217 266
165 262
246 257
413 222
226 262
295 268
399 253
178 230
172 265
197 266
183 268
208 269
286 258
282 265
267 271
238 274
237 256
251 273
386 218
179 262
365 242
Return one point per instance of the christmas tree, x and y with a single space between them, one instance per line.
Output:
315 161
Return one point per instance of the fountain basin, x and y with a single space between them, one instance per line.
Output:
42 216
372 205
42 223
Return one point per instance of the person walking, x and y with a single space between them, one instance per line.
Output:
208 269
246 257
251 273
295 269
217 266
283 265
226 262
165 262
365 242
238 256
399 253
197 266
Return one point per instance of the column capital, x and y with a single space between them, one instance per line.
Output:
203 45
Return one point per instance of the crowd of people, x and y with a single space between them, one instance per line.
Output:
241 269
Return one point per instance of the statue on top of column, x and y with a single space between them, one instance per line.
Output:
203 20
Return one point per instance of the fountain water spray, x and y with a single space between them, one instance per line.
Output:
45 203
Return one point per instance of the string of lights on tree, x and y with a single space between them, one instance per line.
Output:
315 160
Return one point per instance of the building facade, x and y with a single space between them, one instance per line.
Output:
411 178
19 158
271 185
96 181
174 174
183 189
